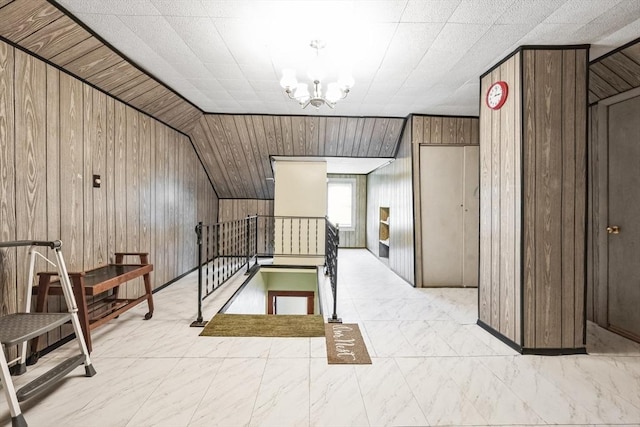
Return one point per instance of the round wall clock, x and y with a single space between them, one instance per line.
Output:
497 95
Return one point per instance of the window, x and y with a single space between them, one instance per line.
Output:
341 195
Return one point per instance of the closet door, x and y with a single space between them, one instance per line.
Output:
450 209
471 216
441 183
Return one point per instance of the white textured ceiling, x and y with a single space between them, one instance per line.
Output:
407 56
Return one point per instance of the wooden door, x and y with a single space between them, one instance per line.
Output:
471 216
441 183
624 212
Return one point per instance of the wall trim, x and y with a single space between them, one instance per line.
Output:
553 351
534 47
499 336
212 113
444 116
614 51
397 148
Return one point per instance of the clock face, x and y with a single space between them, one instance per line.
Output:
497 95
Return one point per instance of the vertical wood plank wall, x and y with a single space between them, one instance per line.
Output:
356 238
153 192
231 209
500 205
555 156
427 130
392 186
537 236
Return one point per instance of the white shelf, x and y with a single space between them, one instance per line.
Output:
385 242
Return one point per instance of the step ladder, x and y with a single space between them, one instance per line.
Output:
19 328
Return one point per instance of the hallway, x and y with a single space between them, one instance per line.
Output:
431 366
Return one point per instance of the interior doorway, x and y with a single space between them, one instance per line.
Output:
290 302
623 228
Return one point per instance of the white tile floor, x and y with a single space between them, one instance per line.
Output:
431 366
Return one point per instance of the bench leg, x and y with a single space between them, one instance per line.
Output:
83 315
147 288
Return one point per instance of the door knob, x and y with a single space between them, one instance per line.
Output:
613 229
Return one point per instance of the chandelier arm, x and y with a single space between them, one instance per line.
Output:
289 94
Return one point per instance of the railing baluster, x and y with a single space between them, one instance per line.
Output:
247 236
207 260
238 244
199 320
217 259
331 263
223 256
299 235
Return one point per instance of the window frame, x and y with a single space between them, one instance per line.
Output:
353 183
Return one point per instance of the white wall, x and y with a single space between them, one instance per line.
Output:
252 299
300 191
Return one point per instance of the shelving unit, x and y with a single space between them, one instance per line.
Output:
384 232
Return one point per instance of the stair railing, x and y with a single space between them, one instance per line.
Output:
226 247
331 265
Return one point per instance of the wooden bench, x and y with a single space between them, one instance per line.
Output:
93 282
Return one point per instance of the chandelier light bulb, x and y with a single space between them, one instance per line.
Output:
316 72
333 92
288 80
345 81
302 93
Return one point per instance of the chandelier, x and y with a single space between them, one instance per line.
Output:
300 91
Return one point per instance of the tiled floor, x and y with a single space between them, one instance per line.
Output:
431 366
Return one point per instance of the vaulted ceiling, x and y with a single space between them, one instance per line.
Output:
179 60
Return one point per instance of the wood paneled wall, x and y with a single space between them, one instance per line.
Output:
554 167
438 130
392 186
533 200
43 29
435 130
55 133
356 238
236 149
231 209
500 205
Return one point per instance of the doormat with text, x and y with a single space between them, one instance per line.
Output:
345 344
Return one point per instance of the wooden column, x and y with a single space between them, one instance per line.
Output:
533 201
